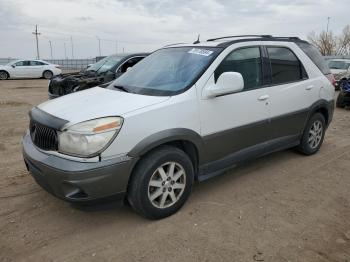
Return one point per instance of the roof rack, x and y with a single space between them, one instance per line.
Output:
234 36
174 44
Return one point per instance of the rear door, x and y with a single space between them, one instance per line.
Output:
292 92
37 68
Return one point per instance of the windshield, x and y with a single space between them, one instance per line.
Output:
339 65
105 64
167 71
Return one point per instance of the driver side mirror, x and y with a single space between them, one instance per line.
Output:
227 83
13 66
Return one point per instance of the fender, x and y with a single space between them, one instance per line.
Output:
166 136
323 105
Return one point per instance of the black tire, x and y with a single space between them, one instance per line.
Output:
139 189
340 100
47 74
4 75
305 146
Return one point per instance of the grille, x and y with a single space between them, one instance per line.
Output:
43 137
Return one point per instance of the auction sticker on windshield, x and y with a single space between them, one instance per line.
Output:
198 51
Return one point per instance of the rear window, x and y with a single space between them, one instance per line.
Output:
285 66
315 56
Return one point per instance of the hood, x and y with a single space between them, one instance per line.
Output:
97 102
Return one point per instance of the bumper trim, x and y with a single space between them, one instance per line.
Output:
75 181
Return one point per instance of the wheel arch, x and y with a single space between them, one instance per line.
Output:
185 139
8 74
323 107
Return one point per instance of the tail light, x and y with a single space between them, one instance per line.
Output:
331 79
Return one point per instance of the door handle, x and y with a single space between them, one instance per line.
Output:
263 97
309 87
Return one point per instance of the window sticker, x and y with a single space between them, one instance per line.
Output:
202 52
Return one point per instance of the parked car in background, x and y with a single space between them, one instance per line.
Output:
185 113
104 71
29 69
339 66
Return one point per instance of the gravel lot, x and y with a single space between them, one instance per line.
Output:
283 207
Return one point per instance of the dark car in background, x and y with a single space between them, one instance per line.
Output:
104 71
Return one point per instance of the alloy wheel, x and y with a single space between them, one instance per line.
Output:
315 134
166 185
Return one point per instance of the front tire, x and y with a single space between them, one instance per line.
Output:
47 74
4 75
313 135
161 182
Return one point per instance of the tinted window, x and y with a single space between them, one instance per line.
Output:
246 61
129 63
22 63
313 53
285 66
36 63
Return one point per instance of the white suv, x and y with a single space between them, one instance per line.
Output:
183 114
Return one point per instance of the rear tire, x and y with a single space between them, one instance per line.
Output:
161 182
340 100
313 135
4 75
47 74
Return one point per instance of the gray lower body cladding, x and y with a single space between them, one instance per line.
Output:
75 181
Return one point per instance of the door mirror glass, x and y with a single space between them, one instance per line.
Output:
227 83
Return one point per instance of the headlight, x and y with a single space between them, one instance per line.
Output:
88 138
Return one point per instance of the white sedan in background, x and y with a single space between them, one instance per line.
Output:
29 69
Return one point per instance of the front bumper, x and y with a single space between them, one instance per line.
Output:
77 181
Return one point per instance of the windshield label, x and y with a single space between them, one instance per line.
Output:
198 51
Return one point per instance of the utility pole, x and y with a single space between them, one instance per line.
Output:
99 45
328 18
50 49
65 50
37 41
123 50
71 44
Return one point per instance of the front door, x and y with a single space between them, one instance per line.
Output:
240 121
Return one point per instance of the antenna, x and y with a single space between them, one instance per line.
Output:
197 41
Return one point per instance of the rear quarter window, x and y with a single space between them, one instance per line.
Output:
315 56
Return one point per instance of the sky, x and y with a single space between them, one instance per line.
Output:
146 25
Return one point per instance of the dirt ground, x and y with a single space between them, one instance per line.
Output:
283 207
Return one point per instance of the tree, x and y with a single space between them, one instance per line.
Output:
329 44
344 42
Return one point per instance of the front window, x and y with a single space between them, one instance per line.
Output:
105 64
167 71
247 62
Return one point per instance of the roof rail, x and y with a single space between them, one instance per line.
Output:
233 36
174 44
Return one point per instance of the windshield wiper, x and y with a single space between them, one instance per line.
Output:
122 88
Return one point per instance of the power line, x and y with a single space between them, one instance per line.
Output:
36 33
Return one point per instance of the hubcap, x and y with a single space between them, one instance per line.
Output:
47 75
315 134
166 185
3 75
